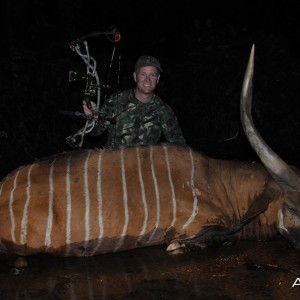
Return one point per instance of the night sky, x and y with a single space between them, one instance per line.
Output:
203 47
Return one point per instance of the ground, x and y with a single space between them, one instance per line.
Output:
245 270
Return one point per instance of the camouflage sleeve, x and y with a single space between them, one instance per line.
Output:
170 126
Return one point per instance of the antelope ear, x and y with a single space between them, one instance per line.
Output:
261 203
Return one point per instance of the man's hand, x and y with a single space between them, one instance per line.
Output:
86 110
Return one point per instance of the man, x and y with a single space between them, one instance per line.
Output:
138 116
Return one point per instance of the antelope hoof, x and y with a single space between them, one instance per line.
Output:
18 265
176 248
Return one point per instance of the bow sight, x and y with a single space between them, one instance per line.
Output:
93 84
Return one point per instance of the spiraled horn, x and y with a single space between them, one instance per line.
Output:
278 169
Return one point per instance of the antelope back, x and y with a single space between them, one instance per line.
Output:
83 203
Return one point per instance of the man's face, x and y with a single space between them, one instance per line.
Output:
146 79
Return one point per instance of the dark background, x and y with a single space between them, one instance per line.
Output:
203 47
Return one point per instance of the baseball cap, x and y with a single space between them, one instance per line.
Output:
147 60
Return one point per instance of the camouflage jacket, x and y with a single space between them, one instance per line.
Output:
132 122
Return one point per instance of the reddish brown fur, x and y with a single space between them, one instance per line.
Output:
224 189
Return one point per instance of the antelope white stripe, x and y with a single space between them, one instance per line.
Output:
2 184
69 206
125 201
25 211
100 201
50 207
156 195
171 186
195 205
87 199
143 194
11 211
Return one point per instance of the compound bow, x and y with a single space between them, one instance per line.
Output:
93 84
